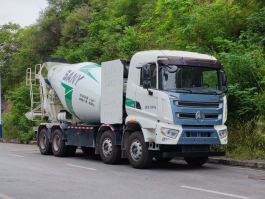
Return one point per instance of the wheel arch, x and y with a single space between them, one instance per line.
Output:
106 127
130 127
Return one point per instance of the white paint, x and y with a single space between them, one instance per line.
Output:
111 92
15 155
214 192
81 167
85 81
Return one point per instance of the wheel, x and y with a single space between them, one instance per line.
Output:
162 160
71 150
137 151
109 152
88 151
58 145
43 142
196 161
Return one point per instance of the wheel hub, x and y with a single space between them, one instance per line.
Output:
136 150
107 147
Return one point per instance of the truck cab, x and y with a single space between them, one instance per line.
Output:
177 100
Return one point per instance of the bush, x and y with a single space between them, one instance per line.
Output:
15 124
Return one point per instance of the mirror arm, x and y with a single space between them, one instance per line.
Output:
226 89
150 92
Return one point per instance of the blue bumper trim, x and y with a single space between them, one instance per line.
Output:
199 135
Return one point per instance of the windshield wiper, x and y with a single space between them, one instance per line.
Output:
212 92
182 90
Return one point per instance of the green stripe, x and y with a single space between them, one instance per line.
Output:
68 97
87 68
130 103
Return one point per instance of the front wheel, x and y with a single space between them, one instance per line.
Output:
110 153
137 151
196 161
43 142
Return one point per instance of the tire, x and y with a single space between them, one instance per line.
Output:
137 151
162 160
43 142
88 151
59 148
196 161
109 152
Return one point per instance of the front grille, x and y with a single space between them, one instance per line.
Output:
197 126
211 116
187 115
192 116
197 134
197 104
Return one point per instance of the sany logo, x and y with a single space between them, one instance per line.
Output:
199 115
72 77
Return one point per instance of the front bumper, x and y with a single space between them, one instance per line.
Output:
190 135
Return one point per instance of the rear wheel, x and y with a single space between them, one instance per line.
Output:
110 153
196 161
43 142
137 151
58 144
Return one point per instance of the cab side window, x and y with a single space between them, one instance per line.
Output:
153 76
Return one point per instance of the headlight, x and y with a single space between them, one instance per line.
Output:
172 133
223 133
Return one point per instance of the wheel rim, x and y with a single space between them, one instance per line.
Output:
136 150
43 141
107 147
56 142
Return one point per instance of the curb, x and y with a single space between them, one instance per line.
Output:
14 141
257 164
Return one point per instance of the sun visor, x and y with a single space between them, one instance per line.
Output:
189 61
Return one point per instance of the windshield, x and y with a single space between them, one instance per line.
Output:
191 80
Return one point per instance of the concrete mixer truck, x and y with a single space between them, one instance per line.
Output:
159 105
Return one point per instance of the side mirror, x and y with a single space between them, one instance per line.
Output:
224 78
146 74
224 81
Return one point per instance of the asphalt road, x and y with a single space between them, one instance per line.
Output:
26 174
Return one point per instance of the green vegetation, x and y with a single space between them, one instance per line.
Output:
97 30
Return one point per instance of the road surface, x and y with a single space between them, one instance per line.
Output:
26 174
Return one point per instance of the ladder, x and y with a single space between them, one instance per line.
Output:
36 93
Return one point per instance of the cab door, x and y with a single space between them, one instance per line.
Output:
147 98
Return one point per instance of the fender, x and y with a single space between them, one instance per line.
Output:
147 126
116 132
